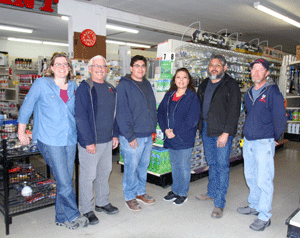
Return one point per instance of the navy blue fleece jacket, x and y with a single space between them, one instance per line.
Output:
86 112
266 116
184 117
134 117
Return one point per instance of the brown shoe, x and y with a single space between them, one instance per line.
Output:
133 205
203 197
146 199
217 212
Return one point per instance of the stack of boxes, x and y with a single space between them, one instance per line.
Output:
159 161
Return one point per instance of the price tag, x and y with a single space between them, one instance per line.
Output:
169 56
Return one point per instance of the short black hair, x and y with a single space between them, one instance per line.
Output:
136 58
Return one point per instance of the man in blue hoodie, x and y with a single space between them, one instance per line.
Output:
136 118
265 122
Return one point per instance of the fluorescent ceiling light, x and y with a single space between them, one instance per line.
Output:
65 18
127 43
115 42
267 10
55 43
18 29
119 28
37 41
138 45
24 40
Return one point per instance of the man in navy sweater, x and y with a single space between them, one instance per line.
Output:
265 122
136 118
95 109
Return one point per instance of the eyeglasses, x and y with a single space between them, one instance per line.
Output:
139 66
61 65
99 66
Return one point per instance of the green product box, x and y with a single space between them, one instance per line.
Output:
161 160
167 84
160 85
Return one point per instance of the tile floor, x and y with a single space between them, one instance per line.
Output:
192 219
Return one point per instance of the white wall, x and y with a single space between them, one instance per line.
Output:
29 50
83 16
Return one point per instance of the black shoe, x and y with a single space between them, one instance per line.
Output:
108 209
170 196
180 200
93 220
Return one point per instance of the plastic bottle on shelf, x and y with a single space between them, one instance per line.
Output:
295 115
297 129
289 130
293 128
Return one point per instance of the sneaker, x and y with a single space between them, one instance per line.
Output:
247 211
180 200
203 197
108 209
170 196
217 212
260 225
133 205
79 221
93 220
146 199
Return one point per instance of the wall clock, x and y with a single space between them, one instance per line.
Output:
88 37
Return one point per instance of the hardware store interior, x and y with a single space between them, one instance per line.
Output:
178 39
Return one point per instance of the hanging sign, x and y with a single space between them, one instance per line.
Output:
30 4
273 53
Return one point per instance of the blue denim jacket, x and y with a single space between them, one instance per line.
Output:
54 120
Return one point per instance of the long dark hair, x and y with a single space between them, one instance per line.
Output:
50 73
190 85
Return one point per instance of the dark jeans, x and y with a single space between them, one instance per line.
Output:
217 159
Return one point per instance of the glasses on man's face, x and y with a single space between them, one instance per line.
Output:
61 65
99 66
139 66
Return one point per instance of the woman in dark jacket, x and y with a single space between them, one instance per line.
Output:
178 116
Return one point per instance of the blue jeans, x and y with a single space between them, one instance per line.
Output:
136 162
259 173
60 159
181 170
217 159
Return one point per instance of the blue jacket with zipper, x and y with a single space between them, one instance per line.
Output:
86 112
134 117
185 118
266 117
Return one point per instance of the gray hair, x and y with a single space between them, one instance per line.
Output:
96 57
219 57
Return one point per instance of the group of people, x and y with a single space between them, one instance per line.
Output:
98 117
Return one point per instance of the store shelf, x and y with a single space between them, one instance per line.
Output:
155 144
289 121
292 96
292 108
26 70
8 100
13 89
294 62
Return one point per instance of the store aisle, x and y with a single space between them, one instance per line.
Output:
192 219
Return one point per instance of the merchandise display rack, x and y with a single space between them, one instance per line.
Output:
292 98
20 167
195 57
